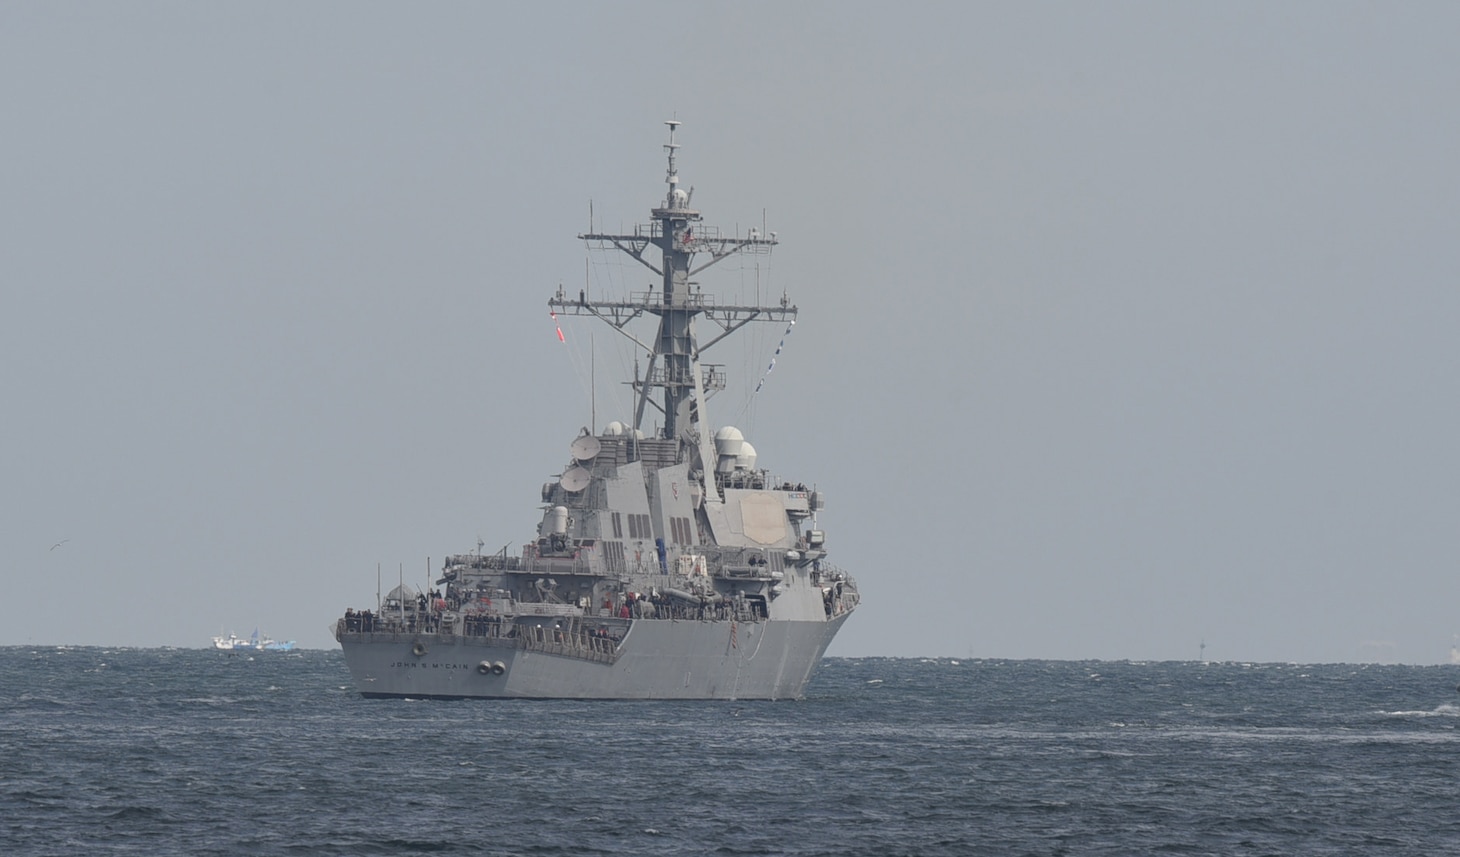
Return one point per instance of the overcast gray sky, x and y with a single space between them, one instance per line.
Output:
1124 326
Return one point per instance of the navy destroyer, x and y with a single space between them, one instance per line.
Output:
667 565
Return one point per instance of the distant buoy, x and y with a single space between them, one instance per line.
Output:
418 649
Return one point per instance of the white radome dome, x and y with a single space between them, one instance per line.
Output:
728 441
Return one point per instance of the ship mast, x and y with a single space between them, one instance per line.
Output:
674 356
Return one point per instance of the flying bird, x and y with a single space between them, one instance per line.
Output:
58 544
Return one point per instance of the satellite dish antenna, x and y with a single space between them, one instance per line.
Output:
575 478
585 448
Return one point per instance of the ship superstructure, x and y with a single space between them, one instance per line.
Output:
666 563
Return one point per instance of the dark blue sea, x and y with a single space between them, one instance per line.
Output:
170 751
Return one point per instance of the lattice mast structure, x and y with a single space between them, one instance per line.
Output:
674 365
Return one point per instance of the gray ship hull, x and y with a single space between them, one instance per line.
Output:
656 660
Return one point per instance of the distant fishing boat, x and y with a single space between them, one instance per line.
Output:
253 643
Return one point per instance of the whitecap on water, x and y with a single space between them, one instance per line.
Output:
1445 710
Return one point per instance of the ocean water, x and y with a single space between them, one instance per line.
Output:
170 751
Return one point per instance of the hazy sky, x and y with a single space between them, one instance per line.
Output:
1124 326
